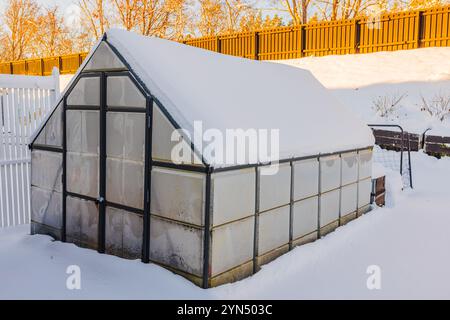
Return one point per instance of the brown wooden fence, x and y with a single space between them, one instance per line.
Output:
398 31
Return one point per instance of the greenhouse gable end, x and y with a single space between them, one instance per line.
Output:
103 175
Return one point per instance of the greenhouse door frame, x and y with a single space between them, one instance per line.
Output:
101 201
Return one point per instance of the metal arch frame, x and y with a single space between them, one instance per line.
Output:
402 149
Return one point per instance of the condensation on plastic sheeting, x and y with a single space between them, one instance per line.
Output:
123 93
348 199
82 222
176 245
47 207
365 164
82 174
306 178
330 173
231 203
364 190
104 59
47 170
123 234
349 164
125 158
273 229
275 190
125 182
329 207
82 152
85 93
83 131
305 219
51 134
125 135
178 195
232 245
162 144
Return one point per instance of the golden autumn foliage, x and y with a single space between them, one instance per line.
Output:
27 28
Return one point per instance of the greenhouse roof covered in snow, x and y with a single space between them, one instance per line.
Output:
225 92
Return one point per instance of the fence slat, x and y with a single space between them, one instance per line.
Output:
22 108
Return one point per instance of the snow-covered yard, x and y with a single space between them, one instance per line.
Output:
362 81
408 240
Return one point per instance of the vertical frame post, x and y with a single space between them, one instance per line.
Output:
64 172
147 181
102 167
256 229
340 189
319 195
291 206
207 234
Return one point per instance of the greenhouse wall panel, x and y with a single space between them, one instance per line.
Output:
306 178
273 229
178 195
231 203
232 245
275 189
176 245
305 217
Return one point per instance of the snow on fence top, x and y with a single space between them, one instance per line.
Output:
226 92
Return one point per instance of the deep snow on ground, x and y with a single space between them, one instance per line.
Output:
408 240
358 80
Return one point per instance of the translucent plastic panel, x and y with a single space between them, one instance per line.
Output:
125 182
104 59
306 178
365 164
73 130
232 202
82 174
46 170
329 207
348 199
275 190
306 217
82 221
46 207
273 229
349 167
83 149
364 191
176 245
123 233
85 93
178 195
53 133
122 92
330 173
232 245
125 135
162 145
83 131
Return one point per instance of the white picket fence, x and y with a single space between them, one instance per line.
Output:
24 102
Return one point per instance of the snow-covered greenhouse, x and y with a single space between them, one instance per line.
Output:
103 174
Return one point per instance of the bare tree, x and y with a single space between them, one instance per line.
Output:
19 27
53 37
94 18
349 9
211 18
128 12
298 10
